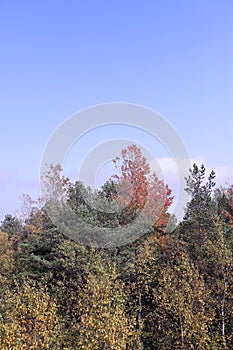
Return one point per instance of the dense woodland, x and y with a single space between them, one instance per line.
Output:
171 288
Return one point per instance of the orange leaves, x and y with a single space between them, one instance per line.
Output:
134 170
143 192
54 185
228 216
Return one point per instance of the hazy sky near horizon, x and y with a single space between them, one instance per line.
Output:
59 57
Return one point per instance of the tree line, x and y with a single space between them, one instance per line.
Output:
170 288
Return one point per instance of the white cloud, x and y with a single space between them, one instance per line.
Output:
167 169
224 175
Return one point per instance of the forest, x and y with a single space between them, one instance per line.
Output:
166 288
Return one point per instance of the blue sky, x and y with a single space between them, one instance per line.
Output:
58 57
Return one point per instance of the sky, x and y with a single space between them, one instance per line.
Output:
60 57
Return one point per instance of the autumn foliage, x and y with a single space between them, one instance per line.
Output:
228 212
169 289
141 192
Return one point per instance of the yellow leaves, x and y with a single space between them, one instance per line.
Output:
29 320
179 293
6 257
104 324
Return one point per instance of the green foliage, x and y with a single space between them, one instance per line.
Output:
11 225
201 205
169 289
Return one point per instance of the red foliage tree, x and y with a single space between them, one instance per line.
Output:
140 190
